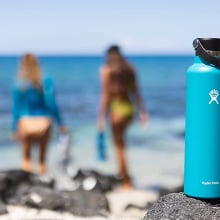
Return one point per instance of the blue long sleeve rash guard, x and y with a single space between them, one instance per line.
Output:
31 101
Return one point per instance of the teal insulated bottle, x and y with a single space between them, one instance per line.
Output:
202 141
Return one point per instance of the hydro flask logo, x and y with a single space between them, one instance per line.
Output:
213 95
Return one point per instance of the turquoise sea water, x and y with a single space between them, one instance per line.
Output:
155 153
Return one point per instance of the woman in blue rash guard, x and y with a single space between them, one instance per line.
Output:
34 108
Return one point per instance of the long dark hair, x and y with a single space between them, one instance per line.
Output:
115 60
122 73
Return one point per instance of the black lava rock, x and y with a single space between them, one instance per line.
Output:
43 198
178 206
14 183
27 189
86 203
10 181
3 209
91 180
79 202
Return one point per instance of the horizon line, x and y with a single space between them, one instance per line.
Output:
94 54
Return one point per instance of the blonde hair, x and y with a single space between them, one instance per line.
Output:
30 69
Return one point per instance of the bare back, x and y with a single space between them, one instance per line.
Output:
120 82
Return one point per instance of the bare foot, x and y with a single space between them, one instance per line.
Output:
26 165
126 185
42 169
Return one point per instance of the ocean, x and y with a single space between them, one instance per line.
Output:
155 152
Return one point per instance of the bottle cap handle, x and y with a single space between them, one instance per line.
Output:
203 45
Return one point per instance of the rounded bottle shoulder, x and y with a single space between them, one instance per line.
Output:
202 68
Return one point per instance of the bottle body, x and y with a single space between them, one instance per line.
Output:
202 142
101 146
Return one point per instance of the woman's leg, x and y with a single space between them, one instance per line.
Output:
118 131
43 150
26 151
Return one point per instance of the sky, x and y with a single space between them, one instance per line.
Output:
89 26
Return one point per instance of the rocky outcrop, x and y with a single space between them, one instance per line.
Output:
178 206
27 189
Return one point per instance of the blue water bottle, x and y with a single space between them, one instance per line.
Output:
202 143
101 146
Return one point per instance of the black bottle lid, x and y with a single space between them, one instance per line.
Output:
206 48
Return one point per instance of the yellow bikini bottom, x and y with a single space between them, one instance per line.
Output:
121 108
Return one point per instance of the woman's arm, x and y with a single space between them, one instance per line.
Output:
15 113
104 97
143 114
51 104
15 109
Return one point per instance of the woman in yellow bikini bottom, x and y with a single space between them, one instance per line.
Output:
122 113
121 108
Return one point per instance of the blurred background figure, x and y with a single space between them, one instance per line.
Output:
34 107
119 96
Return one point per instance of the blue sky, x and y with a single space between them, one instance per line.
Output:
89 26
